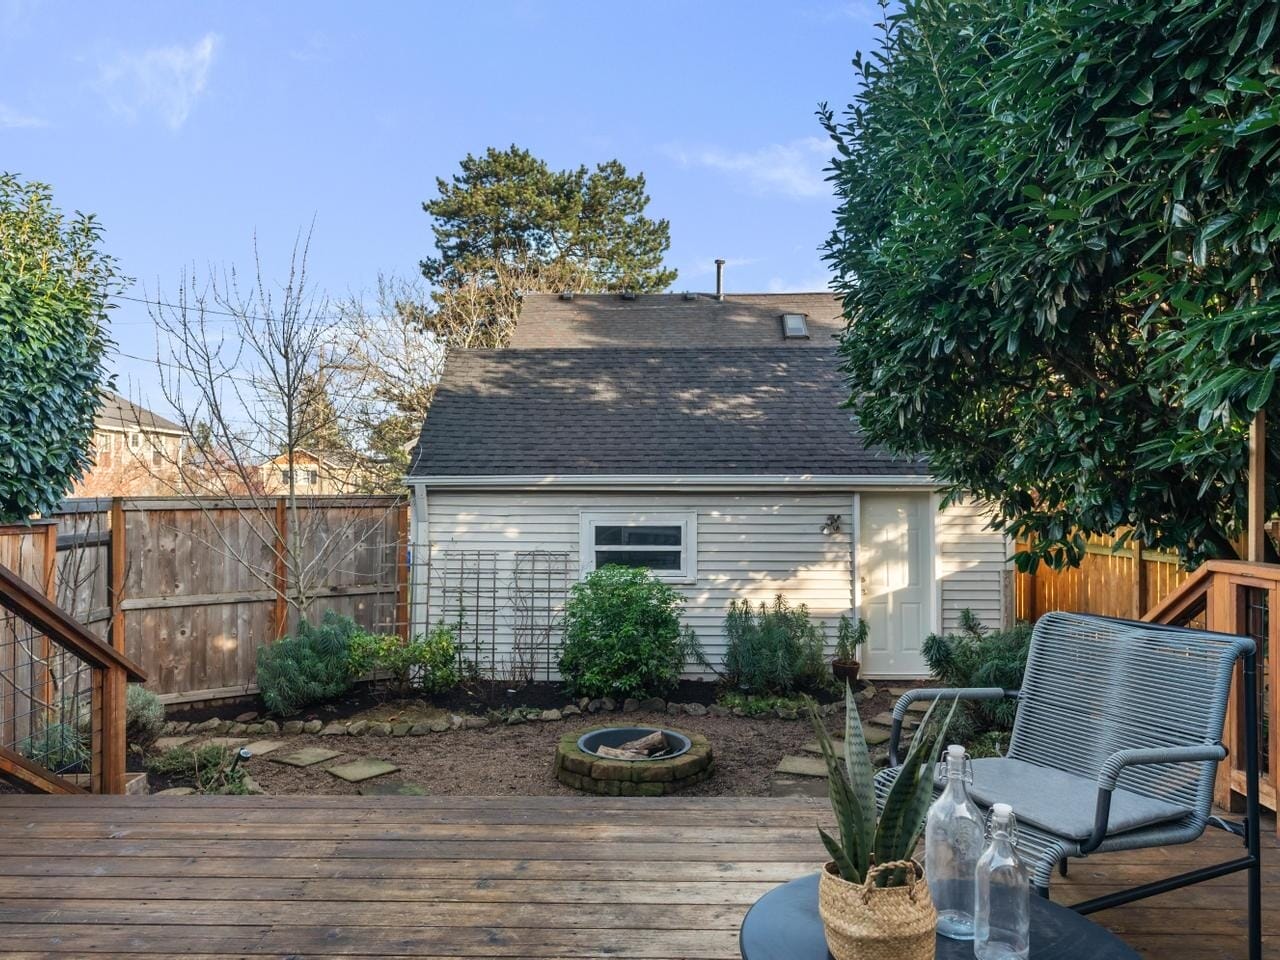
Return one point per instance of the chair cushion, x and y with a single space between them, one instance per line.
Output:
1062 803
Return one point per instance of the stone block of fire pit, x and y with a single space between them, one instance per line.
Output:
632 778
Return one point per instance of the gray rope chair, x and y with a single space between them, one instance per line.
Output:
1115 745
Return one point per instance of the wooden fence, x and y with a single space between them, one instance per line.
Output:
191 590
1110 582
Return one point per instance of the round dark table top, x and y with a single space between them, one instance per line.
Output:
784 925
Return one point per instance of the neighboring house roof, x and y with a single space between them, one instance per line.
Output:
670 320
694 411
119 413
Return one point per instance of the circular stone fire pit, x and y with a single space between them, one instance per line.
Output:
686 760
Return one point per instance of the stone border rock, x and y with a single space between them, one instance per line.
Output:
247 724
632 778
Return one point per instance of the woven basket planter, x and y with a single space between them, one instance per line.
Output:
866 922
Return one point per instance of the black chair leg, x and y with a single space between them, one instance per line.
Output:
1062 867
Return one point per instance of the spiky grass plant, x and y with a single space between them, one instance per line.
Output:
866 839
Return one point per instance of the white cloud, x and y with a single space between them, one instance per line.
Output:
11 118
165 81
793 169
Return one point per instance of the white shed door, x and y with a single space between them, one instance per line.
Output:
894 570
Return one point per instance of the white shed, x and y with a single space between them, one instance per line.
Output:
702 438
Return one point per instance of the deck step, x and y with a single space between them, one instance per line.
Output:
797 787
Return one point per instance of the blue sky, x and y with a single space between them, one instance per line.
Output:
187 128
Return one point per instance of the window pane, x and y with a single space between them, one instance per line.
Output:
649 559
638 536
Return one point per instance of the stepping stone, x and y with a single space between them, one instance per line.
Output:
229 742
306 757
873 735
797 787
393 788
886 720
260 748
918 706
793 766
364 769
898 691
176 792
165 744
812 747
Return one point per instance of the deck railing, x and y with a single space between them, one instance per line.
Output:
62 697
1229 596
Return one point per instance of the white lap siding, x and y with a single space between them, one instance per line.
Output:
971 566
749 546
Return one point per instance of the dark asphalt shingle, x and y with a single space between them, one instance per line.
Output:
603 411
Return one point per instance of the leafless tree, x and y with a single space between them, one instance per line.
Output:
246 365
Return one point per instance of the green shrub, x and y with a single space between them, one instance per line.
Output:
622 635
758 706
976 657
774 650
309 667
211 768
60 747
143 717
424 663
850 638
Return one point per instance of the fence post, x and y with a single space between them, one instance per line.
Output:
280 614
1139 580
117 561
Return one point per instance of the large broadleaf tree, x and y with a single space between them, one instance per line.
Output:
55 281
1056 241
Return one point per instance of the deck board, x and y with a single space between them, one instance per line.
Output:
456 877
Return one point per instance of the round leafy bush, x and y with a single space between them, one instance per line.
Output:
427 663
143 717
622 635
54 285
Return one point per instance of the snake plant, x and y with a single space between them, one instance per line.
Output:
866 839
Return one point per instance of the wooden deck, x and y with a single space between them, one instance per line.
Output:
456 877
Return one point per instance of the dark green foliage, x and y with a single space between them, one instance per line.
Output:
60 747
1058 234
758 706
773 650
976 657
311 666
850 638
427 663
622 635
509 224
143 717
209 769
54 285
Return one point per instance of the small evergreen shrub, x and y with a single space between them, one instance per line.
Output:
775 650
759 706
211 768
977 657
60 747
623 637
143 717
311 666
427 663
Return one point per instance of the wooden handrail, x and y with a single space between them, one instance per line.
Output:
20 598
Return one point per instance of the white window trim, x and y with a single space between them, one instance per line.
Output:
687 521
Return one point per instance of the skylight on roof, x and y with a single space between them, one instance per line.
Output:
795 326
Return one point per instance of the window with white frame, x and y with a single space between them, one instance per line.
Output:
663 543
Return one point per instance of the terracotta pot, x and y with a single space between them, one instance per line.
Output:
846 671
865 922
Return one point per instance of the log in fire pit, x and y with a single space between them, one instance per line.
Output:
632 761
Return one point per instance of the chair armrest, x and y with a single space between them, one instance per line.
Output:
1114 765
936 693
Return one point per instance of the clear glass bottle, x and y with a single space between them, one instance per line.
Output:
1002 894
953 837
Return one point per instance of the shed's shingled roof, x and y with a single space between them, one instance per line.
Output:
669 320
602 411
